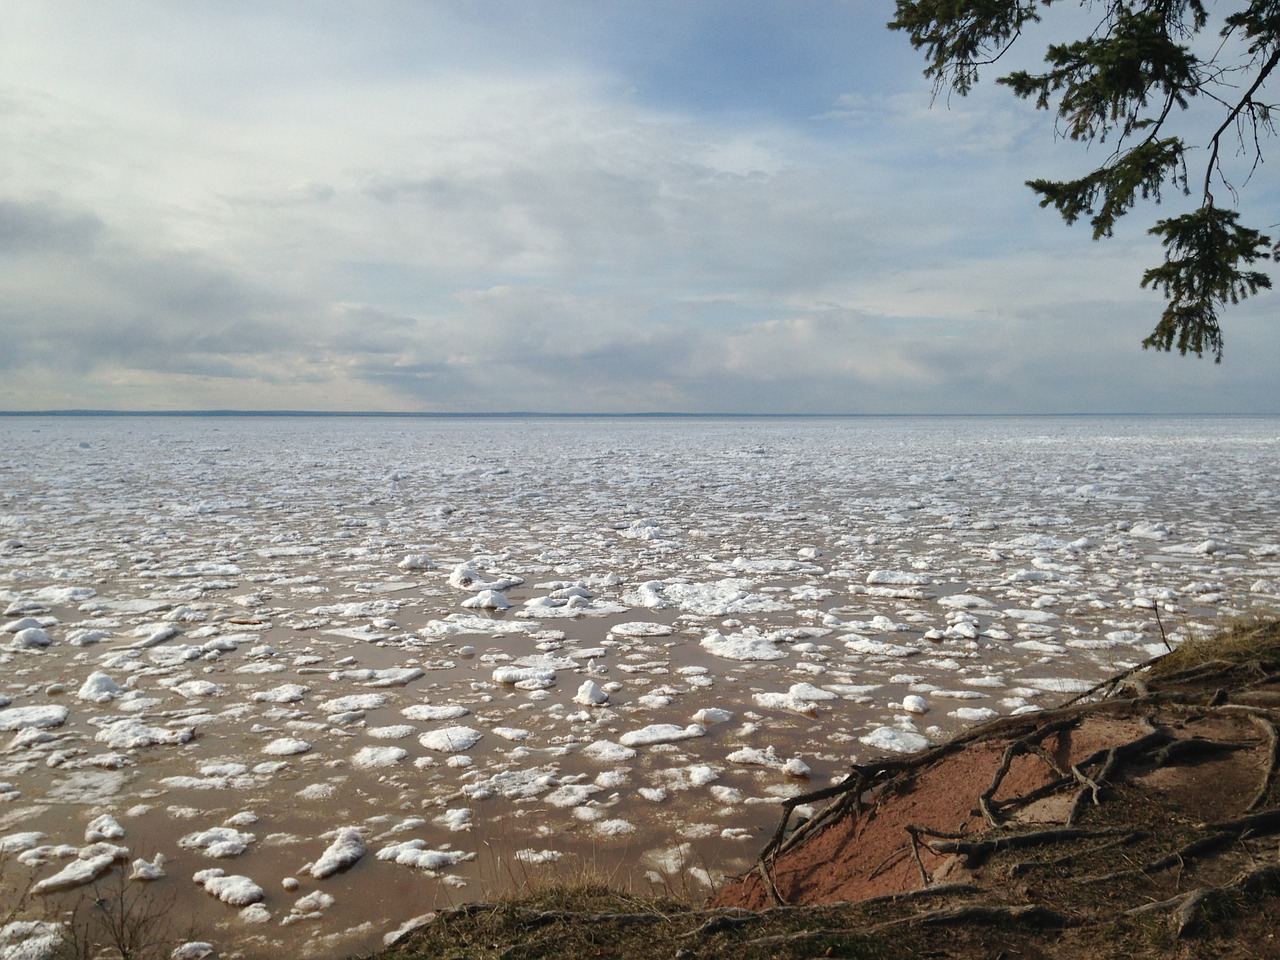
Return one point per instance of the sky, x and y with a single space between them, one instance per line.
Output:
558 206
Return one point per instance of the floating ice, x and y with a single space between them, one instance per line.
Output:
743 646
898 578
533 677
427 711
309 907
640 628
285 693
711 715
369 758
90 863
31 940
193 689
895 741
353 702
218 842
795 767
416 561
132 734
974 714
235 891
41 717
99 688
414 853
590 695
451 739
347 847
103 827
192 950
146 871
17 842
661 733
607 751
32 638
286 747
487 600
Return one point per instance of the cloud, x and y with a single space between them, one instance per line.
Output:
494 206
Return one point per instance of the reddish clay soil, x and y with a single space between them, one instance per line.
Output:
1150 813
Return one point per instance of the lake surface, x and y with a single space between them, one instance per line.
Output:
440 656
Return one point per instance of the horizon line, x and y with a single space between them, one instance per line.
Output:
535 414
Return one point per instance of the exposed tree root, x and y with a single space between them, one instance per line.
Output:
1273 749
1034 914
977 852
1027 866
1188 911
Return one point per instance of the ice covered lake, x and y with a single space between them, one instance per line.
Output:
318 676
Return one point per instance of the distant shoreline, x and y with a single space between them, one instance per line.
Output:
648 415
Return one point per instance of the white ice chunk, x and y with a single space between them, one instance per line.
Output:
743 646
640 628
531 677
218 842
235 891
130 734
898 578
99 688
661 733
41 717
414 853
607 751
352 702
894 740
590 695
286 747
451 739
487 600
913 703
104 827
347 847
368 758
285 693
86 868
427 711
974 714
144 870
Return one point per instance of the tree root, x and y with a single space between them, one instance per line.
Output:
769 887
1223 834
1033 914
1188 911
1027 866
1111 760
976 852
1273 748
1031 744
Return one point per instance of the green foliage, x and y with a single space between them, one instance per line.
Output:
1144 65
1200 274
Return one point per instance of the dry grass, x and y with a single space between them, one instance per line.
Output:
1252 643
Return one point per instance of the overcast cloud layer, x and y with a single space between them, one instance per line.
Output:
554 206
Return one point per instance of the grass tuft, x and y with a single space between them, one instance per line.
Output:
1252 642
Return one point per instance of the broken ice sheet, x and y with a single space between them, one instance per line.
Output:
789 588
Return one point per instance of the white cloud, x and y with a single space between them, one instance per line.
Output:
310 207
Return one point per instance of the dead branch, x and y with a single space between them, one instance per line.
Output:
769 887
1027 866
1273 750
976 852
1033 914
